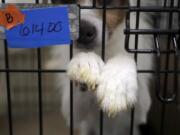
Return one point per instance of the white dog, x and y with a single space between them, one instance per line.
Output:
112 85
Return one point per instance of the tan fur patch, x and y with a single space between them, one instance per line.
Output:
113 18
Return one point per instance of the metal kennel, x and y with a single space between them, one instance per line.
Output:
169 36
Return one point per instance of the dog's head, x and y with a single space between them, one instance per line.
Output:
92 22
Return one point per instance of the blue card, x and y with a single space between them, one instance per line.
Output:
42 27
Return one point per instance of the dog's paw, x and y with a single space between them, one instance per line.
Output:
86 68
117 89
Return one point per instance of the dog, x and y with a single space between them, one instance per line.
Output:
111 85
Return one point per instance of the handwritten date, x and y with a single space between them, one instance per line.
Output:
51 27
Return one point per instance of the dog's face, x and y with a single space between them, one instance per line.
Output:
91 22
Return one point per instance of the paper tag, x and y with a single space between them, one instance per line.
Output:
42 27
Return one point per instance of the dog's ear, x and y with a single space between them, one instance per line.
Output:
61 1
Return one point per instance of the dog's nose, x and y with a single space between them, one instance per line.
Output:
87 32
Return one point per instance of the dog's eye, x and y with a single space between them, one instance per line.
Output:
101 2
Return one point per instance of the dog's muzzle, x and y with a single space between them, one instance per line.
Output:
88 34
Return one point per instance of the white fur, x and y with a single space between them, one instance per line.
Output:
117 90
86 68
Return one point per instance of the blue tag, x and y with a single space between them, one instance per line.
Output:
42 27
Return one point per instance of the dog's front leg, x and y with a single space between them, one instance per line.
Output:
117 89
86 68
